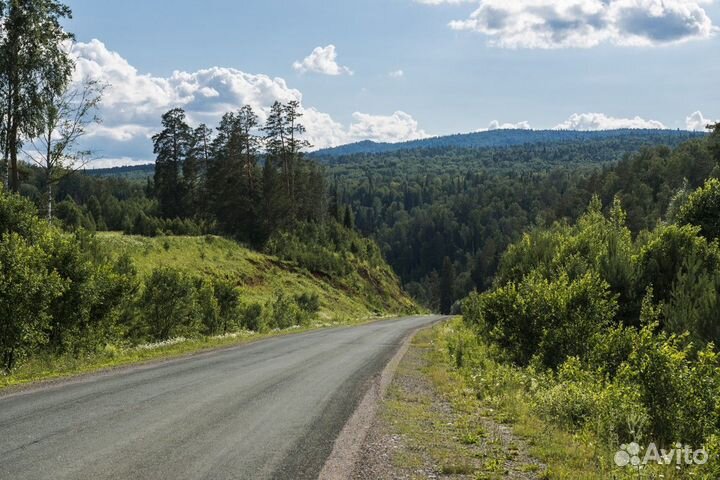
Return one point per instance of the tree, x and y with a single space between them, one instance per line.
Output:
702 209
171 147
35 65
348 220
714 142
233 175
447 286
283 140
64 119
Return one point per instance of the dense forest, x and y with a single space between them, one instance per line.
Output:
447 217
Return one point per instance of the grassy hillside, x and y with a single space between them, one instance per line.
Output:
365 291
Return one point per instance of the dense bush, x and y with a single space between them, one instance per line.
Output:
169 305
621 334
57 296
548 320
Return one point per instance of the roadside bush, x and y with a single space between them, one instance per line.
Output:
252 317
228 301
208 308
308 303
548 321
27 290
285 313
679 390
168 305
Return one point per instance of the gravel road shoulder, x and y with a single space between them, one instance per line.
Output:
429 427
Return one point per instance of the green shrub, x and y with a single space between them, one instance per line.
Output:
252 317
228 300
308 303
27 290
548 320
208 308
168 305
285 312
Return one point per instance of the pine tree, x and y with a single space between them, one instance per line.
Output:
348 220
195 170
171 147
447 286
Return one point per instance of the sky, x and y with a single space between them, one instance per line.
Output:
395 70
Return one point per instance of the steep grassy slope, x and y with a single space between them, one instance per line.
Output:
365 291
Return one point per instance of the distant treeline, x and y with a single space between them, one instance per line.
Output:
509 138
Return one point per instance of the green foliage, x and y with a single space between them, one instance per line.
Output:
548 321
284 312
252 317
208 308
168 305
703 209
77 295
628 329
228 301
27 290
308 303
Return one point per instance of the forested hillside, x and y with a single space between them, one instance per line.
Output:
509 138
444 218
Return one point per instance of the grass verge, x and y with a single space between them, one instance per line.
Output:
435 427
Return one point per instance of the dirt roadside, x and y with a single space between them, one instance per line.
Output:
422 427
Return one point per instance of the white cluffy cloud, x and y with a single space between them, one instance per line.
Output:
600 121
396 74
322 60
496 125
134 102
697 122
586 23
397 127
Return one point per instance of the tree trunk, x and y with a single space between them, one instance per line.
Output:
50 202
13 147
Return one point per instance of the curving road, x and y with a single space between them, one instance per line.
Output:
271 409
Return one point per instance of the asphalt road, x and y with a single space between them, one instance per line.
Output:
271 409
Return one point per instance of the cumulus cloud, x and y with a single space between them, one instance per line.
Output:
134 102
396 74
600 121
322 60
697 122
586 23
496 125
397 127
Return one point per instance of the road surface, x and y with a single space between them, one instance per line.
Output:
271 410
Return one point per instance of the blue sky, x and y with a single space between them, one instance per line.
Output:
545 63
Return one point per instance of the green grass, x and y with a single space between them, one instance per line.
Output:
364 295
441 422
